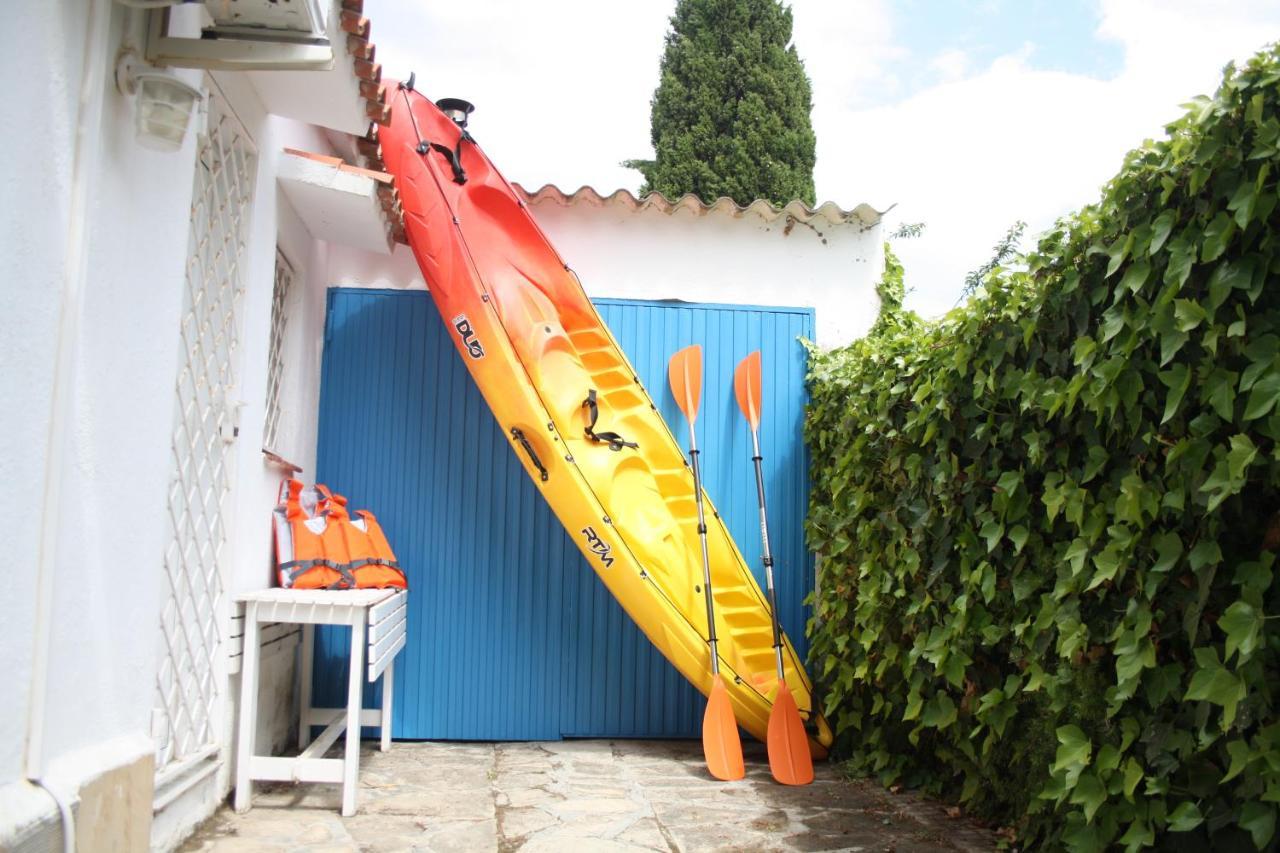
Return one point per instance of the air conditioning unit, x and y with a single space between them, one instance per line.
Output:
245 35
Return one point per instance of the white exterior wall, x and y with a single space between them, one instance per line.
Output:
717 257
115 459
695 257
32 253
111 461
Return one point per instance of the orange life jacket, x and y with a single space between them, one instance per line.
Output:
372 561
318 546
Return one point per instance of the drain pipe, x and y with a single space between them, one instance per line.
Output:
87 133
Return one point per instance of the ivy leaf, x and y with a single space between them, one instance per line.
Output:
1081 837
1106 564
1136 276
1076 552
1242 203
1139 835
1132 776
1241 757
1074 751
1182 256
1185 817
1178 379
1206 553
1118 252
993 532
1168 549
1263 396
1240 457
1242 624
1090 794
1217 234
1226 277
1171 342
1259 819
940 712
1160 229
1188 314
1018 536
1220 393
1213 683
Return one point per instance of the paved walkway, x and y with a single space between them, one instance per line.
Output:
581 796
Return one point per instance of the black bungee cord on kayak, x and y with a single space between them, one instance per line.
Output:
457 110
615 441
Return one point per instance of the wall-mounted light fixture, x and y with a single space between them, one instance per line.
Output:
456 109
163 104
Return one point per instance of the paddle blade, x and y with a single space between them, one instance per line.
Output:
789 758
685 373
720 742
746 387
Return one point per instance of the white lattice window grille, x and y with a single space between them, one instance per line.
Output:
275 351
186 722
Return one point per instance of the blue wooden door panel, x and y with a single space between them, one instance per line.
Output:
511 635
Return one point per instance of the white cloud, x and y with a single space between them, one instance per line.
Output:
950 65
971 156
563 88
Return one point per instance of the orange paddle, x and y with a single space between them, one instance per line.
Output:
720 742
789 758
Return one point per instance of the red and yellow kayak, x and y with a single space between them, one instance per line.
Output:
538 351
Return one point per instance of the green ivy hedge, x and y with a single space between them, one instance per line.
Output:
1047 524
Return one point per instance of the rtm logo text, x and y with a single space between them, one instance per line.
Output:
469 339
598 546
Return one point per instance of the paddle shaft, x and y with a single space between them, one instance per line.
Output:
702 538
768 555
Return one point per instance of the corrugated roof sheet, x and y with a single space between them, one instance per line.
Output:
864 215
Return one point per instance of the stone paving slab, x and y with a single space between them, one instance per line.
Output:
592 795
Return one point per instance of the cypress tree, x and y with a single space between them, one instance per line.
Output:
730 116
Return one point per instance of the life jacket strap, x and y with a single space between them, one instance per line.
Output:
373 561
615 441
298 568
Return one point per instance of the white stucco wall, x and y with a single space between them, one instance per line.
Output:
115 460
117 455
712 256
34 204
112 459
717 257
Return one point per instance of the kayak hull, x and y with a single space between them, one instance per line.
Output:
537 348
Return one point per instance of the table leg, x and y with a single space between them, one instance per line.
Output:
355 685
248 707
388 688
304 687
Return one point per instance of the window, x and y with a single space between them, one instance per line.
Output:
275 352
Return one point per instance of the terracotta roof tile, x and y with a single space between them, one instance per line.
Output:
862 215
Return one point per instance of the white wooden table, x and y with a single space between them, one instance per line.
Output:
377 618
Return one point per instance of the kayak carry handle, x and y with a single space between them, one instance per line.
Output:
518 435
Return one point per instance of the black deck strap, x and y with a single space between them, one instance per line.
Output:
518 435
615 441
454 155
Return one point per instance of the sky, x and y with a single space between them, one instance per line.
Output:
966 115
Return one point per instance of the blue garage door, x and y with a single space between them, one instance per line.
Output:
511 635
